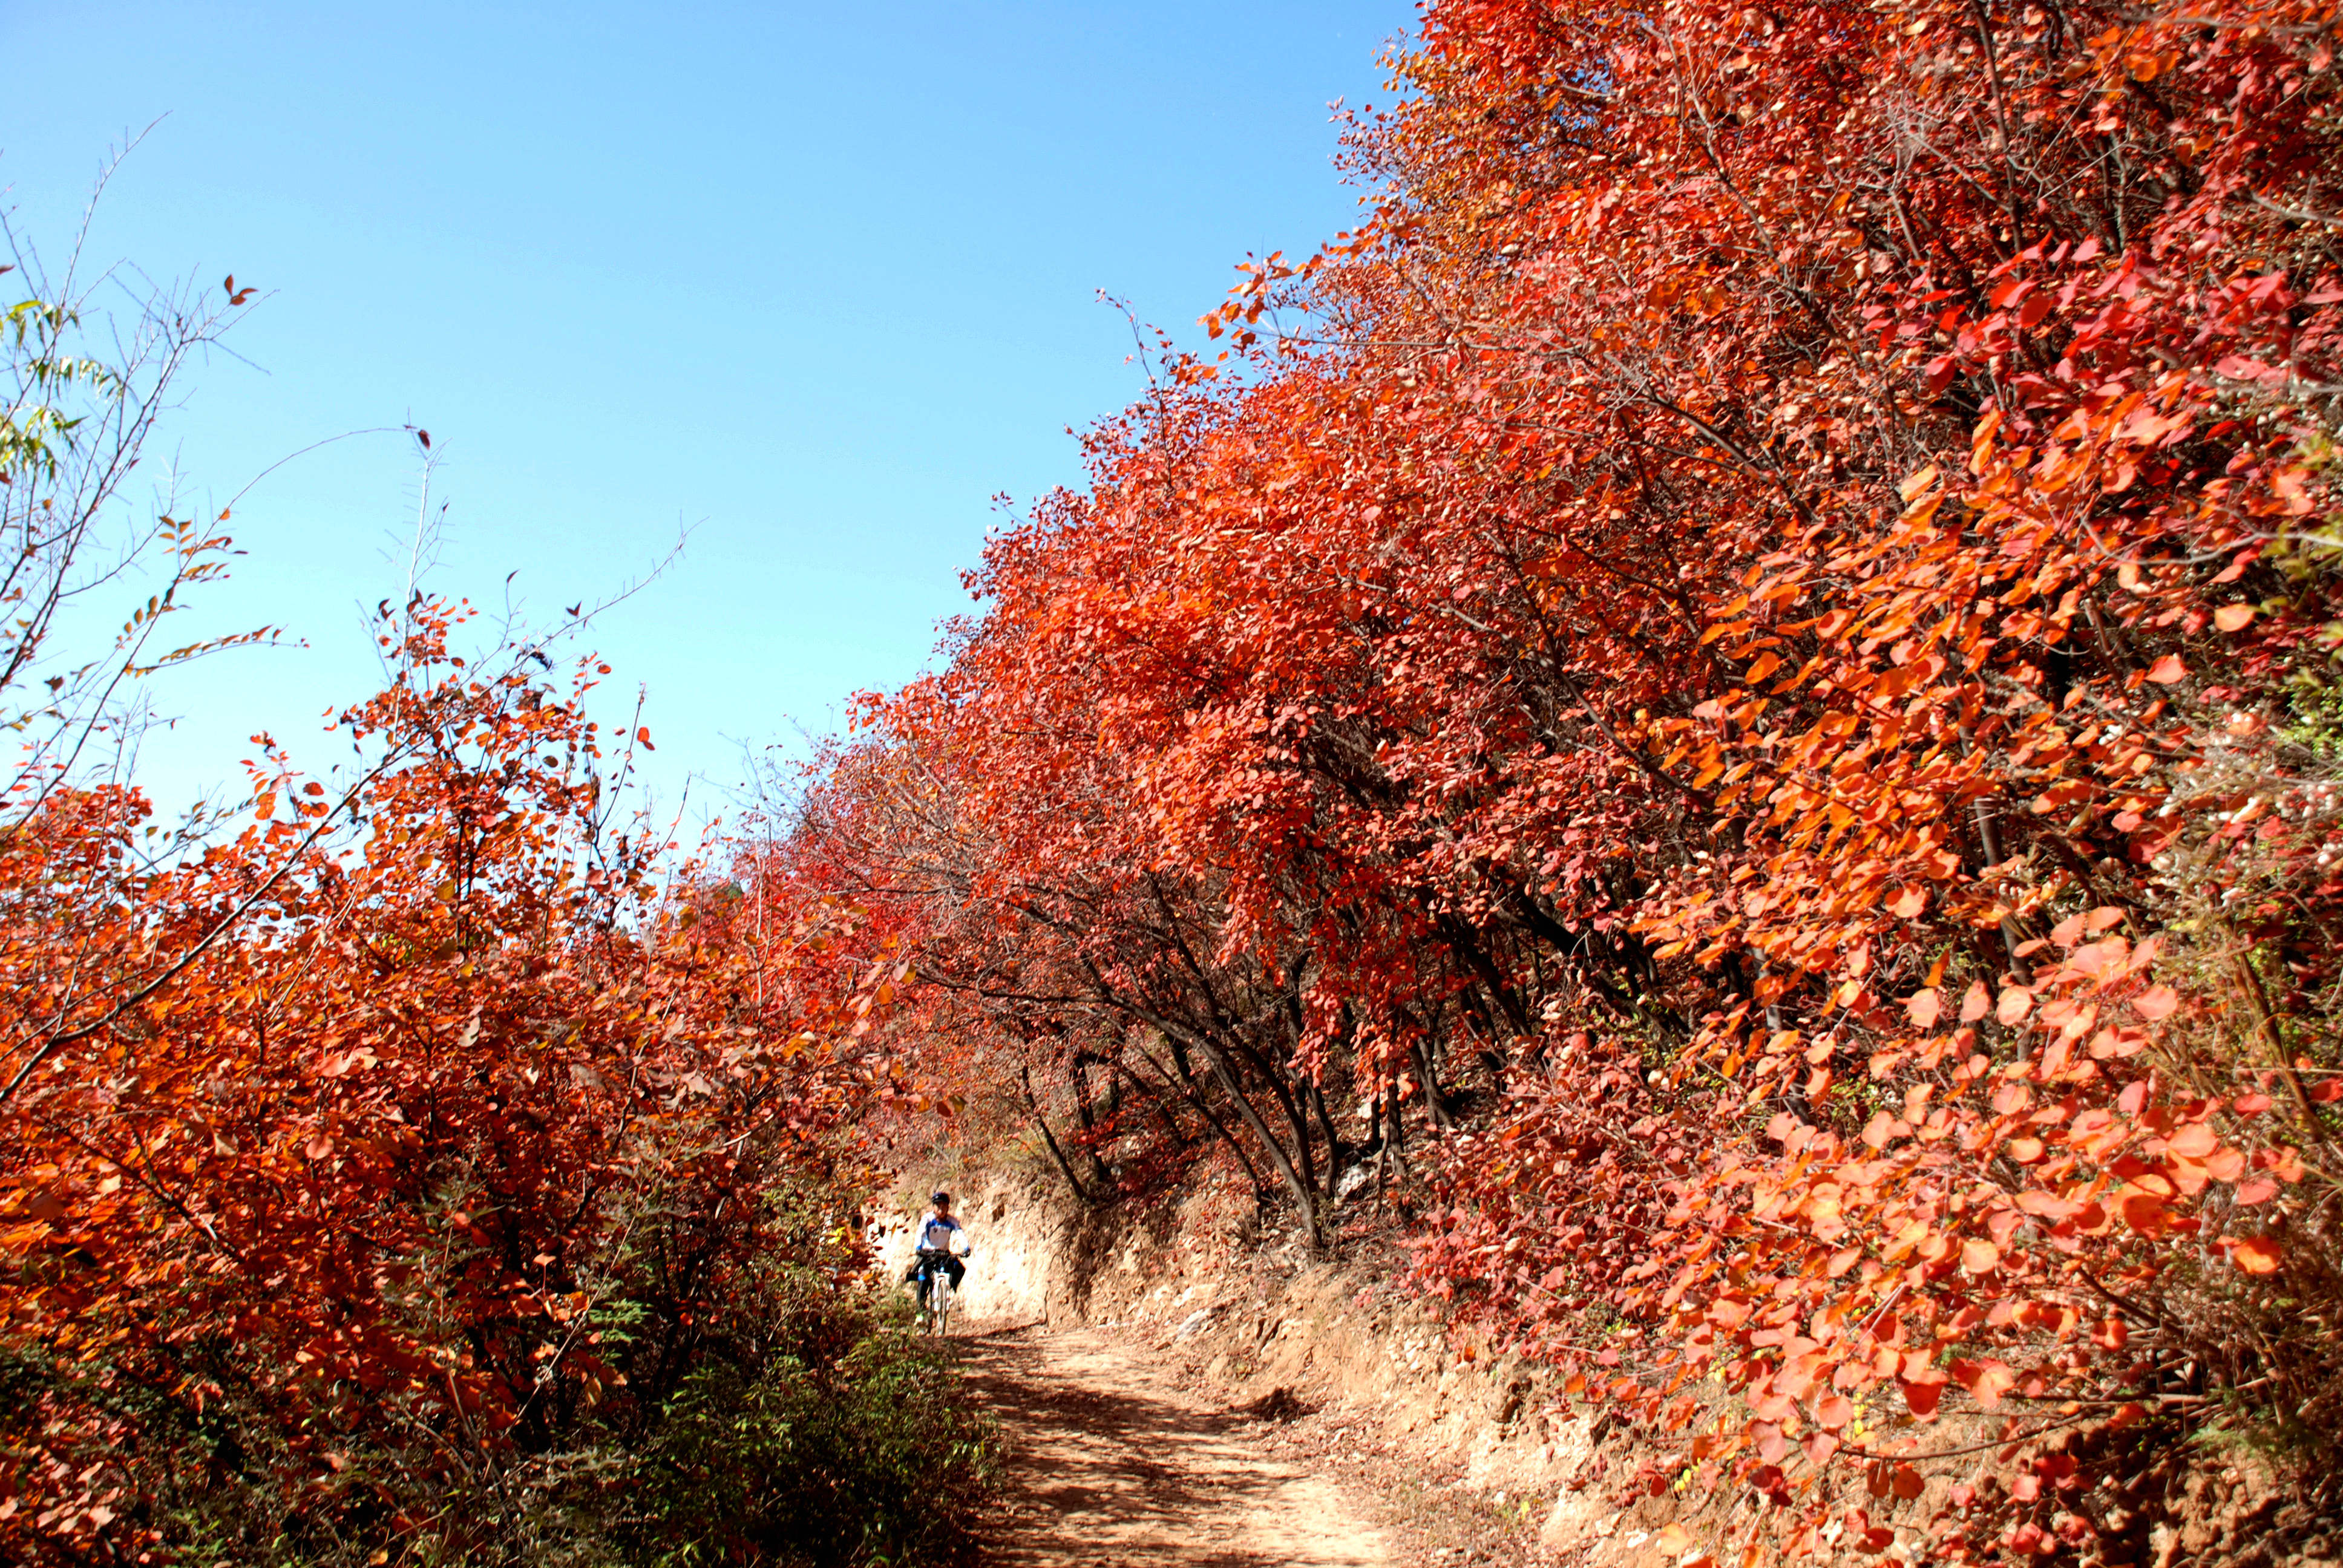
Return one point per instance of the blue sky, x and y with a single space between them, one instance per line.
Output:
815 282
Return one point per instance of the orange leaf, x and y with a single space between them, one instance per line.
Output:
2255 1255
2233 617
2194 1140
2168 670
2016 1001
2158 1001
2284 1163
1924 1007
1980 1257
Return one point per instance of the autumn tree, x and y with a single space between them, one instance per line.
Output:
1744 676
405 1166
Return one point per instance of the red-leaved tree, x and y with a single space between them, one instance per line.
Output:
1743 681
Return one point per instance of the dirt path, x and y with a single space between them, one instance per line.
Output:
1113 1466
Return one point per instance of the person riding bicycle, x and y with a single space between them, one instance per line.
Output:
938 1243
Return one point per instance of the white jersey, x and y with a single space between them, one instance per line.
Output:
941 1233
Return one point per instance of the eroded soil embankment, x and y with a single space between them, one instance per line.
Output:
1111 1463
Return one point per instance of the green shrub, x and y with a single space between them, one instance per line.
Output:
834 1449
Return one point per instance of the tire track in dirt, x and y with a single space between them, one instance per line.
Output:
1111 1465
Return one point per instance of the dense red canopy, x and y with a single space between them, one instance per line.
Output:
1745 671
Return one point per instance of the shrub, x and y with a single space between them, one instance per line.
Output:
805 1455
792 1422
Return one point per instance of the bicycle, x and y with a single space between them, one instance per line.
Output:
937 1296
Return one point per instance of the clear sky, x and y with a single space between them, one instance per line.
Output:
816 282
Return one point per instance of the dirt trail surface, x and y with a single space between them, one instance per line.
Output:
1113 1466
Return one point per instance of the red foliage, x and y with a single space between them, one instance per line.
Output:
1755 649
345 1132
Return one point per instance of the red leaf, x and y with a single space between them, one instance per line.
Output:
1924 1397
1987 1381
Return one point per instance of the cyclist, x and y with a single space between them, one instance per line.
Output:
935 1244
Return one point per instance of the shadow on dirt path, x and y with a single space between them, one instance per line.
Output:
1113 1466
